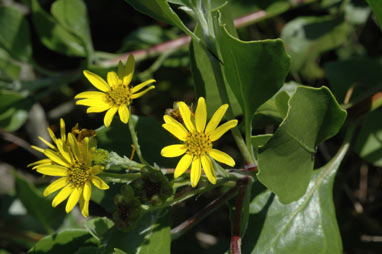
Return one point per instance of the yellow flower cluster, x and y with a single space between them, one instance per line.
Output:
70 156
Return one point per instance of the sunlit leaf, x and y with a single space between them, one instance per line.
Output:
286 161
308 225
64 242
14 33
376 6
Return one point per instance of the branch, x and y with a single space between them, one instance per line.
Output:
185 40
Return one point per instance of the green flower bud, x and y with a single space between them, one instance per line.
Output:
153 187
128 210
100 157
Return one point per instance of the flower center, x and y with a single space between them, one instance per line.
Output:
119 95
78 175
198 143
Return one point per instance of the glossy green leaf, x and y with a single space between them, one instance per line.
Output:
151 137
203 74
244 65
72 14
369 139
286 161
152 235
306 38
14 110
376 7
98 227
308 225
344 74
9 69
159 10
54 35
37 205
14 33
64 242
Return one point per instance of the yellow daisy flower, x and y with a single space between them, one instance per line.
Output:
71 160
116 94
197 140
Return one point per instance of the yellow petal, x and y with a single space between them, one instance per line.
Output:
216 118
56 185
87 191
128 71
52 136
113 79
219 131
183 165
91 102
98 108
137 95
170 120
179 133
173 150
221 157
56 157
73 199
124 113
41 150
201 115
47 143
90 95
62 130
96 170
186 115
142 85
109 116
196 171
62 195
97 81
73 143
99 183
64 151
208 169
42 162
84 206
52 170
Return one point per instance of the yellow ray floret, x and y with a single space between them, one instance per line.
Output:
197 137
116 94
71 160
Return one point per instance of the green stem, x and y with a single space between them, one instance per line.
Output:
134 138
127 176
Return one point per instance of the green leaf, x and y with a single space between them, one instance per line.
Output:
376 7
306 38
97 227
54 35
37 205
203 74
244 65
72 14
159 10
9 69
152 235
245 209
369 140
286 161
14 33
344 74
308 225
14 110
260 140
67 241
151 137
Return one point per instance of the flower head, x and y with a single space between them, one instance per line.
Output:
116 94
197 137
71 160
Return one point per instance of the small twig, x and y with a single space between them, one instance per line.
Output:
236 236
199 216
10 137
